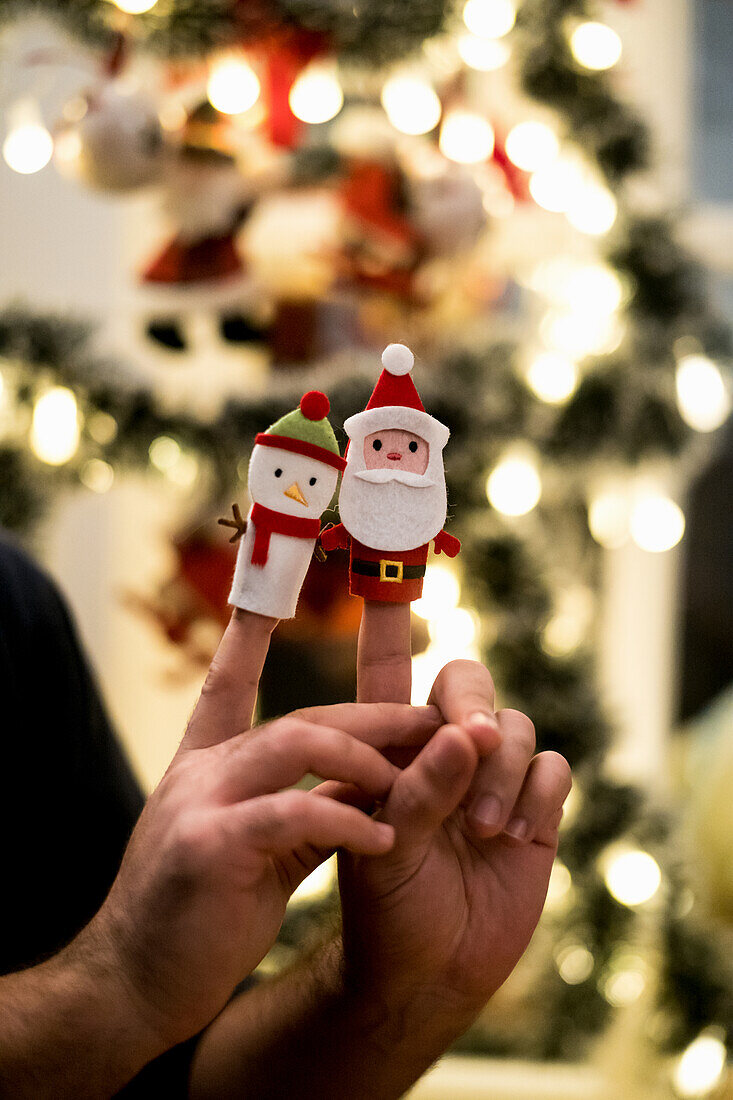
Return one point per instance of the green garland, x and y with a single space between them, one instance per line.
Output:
369 32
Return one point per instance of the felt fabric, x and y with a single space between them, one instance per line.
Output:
271 589
447 544
395 389
265 522
308 424
389 589
398 416
279 480
302 447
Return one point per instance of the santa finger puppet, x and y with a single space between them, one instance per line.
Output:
393 499
293 473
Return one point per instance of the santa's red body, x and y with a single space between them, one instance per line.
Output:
393 578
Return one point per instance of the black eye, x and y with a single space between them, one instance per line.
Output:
313 480
377 444
413 446
278 472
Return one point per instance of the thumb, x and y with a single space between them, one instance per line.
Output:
431 787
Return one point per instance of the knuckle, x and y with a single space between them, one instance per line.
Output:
192 843
285 734
523 734
220 680
266 821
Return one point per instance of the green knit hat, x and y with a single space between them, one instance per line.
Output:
306 431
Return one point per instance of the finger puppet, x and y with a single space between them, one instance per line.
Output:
393 499
293 473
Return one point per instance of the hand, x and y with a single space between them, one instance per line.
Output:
221 845
449 910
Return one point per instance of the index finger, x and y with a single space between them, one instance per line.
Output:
227 701
464 693
384 658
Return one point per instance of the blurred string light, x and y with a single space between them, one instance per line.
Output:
559 887
608 518
569 625
233 86
317 885
28 146
514 486
452 629
530 145
316 96
466 138
656 522
490 18
102 427
486 55
167 456
632 876
97 475
552 377
566 186
54 434
702 1064
593 211
574 963
411 104
702 396
625 981
595 46
134 7
578 333
441 593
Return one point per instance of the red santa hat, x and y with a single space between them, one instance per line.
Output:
395 403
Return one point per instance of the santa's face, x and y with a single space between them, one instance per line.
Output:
396 450
291 483
393 496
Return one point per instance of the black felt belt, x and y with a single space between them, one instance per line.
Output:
391 570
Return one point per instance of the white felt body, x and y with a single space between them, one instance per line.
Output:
271 589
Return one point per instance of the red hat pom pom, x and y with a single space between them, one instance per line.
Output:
314 405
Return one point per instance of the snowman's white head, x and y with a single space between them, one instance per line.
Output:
291 483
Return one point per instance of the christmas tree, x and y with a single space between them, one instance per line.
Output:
469 172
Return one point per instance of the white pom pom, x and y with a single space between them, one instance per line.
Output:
397 359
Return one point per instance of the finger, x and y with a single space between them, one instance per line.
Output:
384 657
346 793
282 753
279 823
383 725
545 788
227 701
547 834
464 693
430 789
500 776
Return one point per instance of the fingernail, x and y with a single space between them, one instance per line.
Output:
486 809
517 828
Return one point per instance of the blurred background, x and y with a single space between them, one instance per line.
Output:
209 208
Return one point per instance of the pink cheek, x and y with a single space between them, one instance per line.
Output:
416 462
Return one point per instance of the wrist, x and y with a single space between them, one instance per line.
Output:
91 972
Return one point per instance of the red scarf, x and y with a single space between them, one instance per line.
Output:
266 522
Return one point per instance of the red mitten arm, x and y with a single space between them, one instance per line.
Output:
334 538
447 544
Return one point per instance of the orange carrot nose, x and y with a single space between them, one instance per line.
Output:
294 492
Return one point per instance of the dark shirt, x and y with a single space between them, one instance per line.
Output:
68 800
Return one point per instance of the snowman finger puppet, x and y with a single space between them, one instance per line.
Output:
293 473
393 499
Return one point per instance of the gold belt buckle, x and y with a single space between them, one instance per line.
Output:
383 563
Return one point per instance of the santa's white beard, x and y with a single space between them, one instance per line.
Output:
391 515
